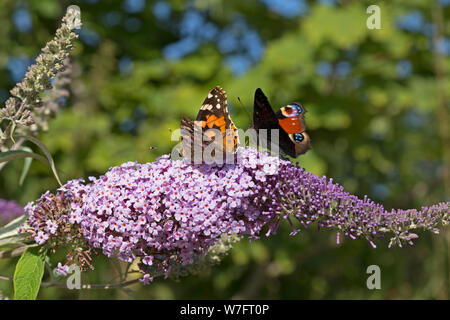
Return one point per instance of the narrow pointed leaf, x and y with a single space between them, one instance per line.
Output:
19 154
47 154
12 228
26 167
9 236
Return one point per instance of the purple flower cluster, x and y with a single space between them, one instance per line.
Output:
171 211
9 209
309 198
163 211
166 209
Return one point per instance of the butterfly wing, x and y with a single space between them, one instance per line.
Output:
291 119
191 137
264 118
214 110
214 115
263 115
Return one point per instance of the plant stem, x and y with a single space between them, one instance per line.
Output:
15 252
84 286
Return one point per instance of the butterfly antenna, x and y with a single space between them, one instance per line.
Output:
246 111
249 117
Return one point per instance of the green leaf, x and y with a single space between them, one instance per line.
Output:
28 274
19 154
26 167
12 227
47 154
9 237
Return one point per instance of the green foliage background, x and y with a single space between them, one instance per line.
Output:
374 130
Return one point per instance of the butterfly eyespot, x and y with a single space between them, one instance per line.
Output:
300 108
298 137
288 110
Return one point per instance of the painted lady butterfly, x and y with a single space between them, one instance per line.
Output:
212 129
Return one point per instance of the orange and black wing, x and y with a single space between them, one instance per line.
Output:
212 118
292 118
214 115
192 138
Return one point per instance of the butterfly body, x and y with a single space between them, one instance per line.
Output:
288 120
212 125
